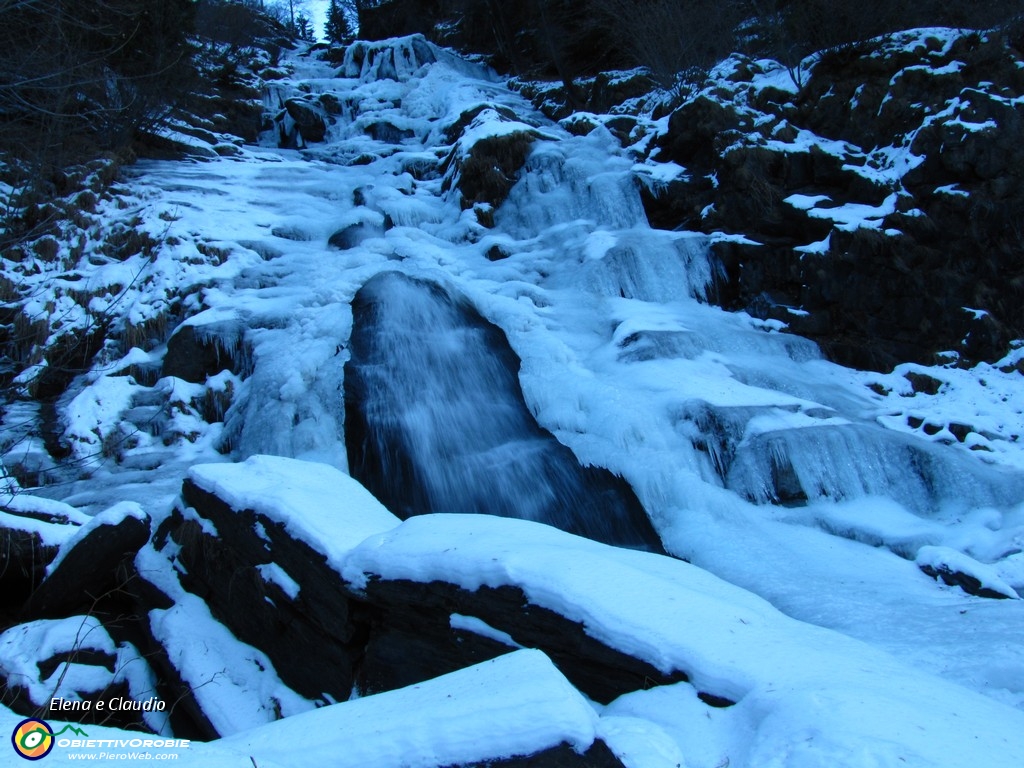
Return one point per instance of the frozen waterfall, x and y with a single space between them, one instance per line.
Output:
436 422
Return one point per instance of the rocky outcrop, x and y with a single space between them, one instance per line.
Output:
874 195
196 352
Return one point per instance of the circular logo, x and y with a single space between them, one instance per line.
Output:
32 739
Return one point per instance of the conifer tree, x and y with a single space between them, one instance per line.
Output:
337 29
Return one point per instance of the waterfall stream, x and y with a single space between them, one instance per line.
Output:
436 422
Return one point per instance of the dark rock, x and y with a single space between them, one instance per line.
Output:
922 382
410 646
388 133
601 672
496 253
491 166
25 553
960 431
309 119
719 702
953 578
93 570
25 557
197 352
354 234
67 357
311 639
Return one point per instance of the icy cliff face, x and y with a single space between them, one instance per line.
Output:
752 456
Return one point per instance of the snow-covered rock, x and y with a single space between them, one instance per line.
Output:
517 705
797 693
959 570
75 662
262 545
32 530
92 565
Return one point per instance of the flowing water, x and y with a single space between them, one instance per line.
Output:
436 422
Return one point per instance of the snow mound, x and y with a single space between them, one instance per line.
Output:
515 705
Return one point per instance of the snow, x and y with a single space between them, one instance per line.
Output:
847 217
517 704
235 685
801 691
315 503
482 628
272 573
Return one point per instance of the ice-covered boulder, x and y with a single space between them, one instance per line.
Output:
309 119
490 147
198 350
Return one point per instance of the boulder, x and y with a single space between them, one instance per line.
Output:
266 565
32 530
309 119
422 631
514 711
490 147
71 669
93 566
354 234
197 351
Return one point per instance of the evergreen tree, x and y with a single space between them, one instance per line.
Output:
337 29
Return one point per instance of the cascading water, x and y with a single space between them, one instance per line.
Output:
436 422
